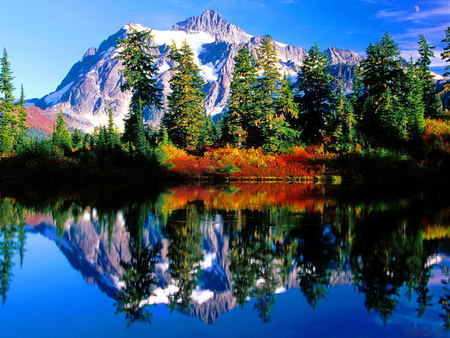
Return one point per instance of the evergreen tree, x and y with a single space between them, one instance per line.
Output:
77 139
241 103
414 101
344 135
286 112
140 77
285 105
382 117
446 57
265 128
61 137
7 107
22 118
315 96
112 136
185 119
430 97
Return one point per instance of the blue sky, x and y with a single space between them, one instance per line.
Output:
44 38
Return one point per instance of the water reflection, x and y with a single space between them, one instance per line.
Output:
205 250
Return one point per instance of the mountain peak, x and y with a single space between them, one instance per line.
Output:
212 23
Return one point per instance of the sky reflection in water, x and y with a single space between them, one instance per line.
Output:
337 253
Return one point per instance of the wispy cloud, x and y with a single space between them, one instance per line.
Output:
416 13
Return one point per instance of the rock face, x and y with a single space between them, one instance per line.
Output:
93 83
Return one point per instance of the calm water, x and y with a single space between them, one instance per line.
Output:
246 260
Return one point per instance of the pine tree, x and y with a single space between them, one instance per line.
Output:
77 139
315 96
185 119
140 77
22 118
266 129
430 97
446 57
382 117
286 112
343 138
61 137
414 102
241 103
112 136
7 107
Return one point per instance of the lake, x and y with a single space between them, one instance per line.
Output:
241 260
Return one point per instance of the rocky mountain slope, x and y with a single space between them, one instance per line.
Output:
93 83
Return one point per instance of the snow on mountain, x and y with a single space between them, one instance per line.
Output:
93 83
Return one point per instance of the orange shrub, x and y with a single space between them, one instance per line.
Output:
437 133
249 163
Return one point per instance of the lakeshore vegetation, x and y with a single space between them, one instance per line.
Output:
393 123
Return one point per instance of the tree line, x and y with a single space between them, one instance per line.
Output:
391 98
266 109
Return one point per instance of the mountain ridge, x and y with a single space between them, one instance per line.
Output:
93 83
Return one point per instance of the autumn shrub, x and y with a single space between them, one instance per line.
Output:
437 134
246 163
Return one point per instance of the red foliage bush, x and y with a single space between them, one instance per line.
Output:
251 163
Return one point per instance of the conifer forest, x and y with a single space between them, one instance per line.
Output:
393 123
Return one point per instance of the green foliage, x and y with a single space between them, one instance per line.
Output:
7 107
433 107
77 139
266 129
315 96
140 77
343 137
414 102
242 101
61 136
185 120
41 150
445 55
22 117
383 121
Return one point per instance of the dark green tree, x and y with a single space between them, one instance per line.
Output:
140 281
140 77
414 102
112 135
344 136
61 136
242 101
184 253
286 113
445 55
77 139
22 118
185 120
430 97
266 129
315 96
382 119
7 107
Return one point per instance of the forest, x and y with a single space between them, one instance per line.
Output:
394 123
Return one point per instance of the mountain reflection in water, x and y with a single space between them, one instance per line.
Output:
204 250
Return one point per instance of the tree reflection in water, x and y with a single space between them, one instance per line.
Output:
185 253
274 237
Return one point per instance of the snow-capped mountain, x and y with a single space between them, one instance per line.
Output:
93 83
